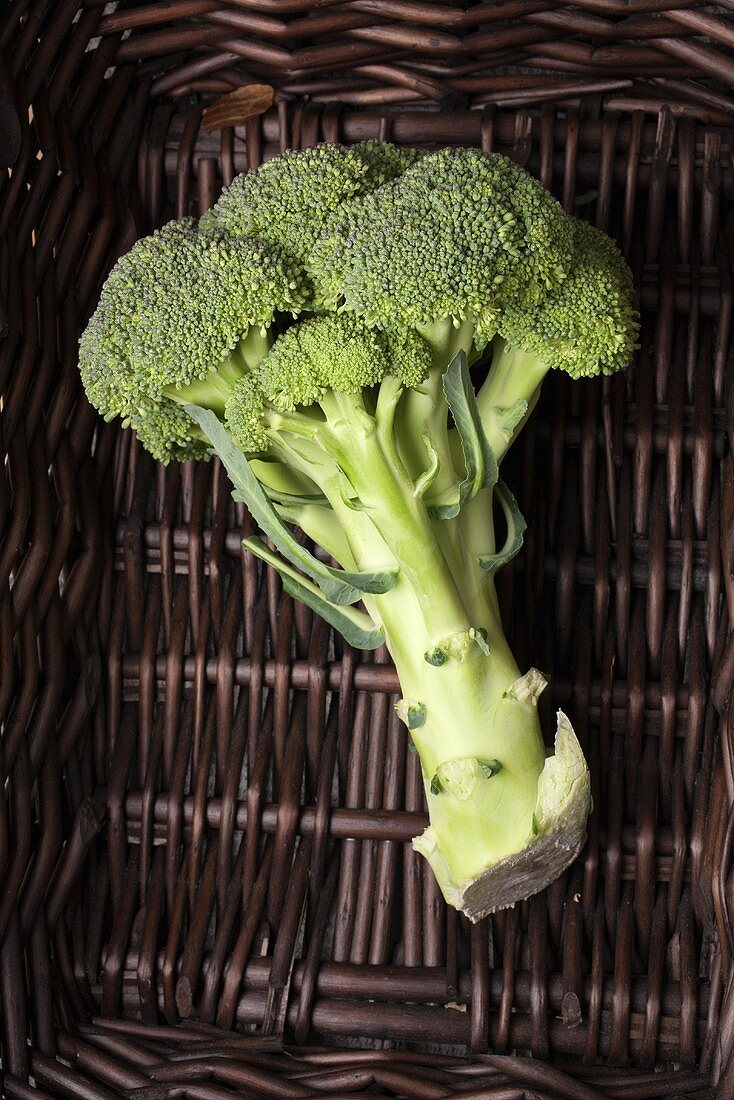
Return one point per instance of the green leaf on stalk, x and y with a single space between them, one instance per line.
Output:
339 586
295 500
427 478
490 767
435 657
355 626
284 486
510 418
413 714
516 527
345 490
481 465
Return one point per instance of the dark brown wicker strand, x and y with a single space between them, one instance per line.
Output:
206 806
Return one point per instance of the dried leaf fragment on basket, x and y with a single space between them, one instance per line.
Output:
316 330
236 107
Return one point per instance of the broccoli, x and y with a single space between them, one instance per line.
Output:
181 317
316 331
585 326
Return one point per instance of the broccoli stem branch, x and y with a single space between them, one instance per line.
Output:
423 411
385 492
514 381
213 390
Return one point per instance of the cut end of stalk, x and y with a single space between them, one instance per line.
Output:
556 836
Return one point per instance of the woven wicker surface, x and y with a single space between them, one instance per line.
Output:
399 51
207 801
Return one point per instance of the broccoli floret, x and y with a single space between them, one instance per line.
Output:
114 388
316 330
330 353
206 292
455 237
384 162
244 415
585 326
182 316
333 354
105 350
289 199
167 432
441 250
339 352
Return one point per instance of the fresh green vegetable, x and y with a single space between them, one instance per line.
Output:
316 330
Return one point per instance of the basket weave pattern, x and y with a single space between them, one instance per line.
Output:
208 800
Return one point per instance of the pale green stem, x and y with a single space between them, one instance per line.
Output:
470 723
514 376
212 391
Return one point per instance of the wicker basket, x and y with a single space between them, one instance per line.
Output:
207 886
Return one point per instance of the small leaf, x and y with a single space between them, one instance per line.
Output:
353 503
534 827
413 714
435 657
481 465
428 476
236 107
355 626
284 486
516 527
490 767
436 786
480 637
338 585
510 418
295 500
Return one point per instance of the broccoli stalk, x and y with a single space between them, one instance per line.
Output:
510 393
471 717
358 423
327 400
